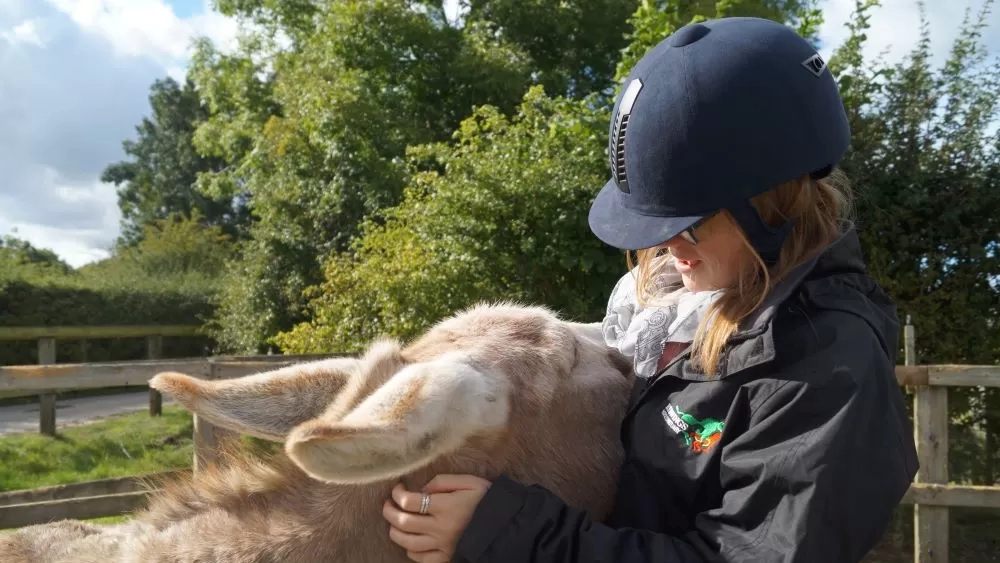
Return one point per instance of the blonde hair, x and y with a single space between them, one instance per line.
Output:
820 208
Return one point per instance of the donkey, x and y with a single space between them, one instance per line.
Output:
496 388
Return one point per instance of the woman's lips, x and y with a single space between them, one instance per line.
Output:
685 266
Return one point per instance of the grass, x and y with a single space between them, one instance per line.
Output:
108 520
125 445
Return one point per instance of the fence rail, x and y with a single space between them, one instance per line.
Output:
48 335
67 377
90 499
931 493
95 332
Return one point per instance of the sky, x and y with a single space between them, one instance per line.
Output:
75 77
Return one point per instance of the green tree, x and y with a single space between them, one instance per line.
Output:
160 176
177 252
316 136
925 159
169 276
180 245
501 213
19 258
294 19
573 45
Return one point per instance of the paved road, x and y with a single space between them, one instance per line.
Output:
71 412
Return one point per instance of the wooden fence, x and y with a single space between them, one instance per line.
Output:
47 337
66 377
931 493
87 500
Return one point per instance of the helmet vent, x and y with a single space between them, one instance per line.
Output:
616 145
618 154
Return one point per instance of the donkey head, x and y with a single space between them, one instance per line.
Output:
510 387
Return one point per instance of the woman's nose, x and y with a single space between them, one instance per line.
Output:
675 243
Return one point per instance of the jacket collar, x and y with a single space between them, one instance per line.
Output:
753 343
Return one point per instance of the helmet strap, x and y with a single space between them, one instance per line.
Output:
765 239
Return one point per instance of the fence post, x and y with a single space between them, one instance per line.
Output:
154 349
47 401
930 418
205 442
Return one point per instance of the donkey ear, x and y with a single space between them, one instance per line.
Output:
266 405
424 411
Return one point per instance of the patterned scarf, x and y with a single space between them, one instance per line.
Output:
642 332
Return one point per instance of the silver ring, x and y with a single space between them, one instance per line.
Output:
425 503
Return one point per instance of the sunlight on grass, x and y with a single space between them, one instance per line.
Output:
116 447
108 520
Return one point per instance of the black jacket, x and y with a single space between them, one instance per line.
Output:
797 452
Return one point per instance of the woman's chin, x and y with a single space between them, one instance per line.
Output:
694 285
690 283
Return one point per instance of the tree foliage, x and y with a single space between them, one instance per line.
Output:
160 176
30 300
925 158
170 276
185 253
573 45
500 213
19 254
317 133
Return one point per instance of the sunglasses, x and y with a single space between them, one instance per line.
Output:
688 233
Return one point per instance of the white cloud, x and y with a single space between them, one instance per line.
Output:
77 242
11 8
25 32
134 27
73 87
146 28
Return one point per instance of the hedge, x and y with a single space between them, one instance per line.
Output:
72 303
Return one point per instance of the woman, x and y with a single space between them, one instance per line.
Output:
767 424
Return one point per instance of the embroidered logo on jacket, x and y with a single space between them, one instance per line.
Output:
699 435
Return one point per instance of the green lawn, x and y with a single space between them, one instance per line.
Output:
116 447
108 520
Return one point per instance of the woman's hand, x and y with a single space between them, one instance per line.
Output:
432 537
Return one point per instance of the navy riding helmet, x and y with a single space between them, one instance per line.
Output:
716 113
